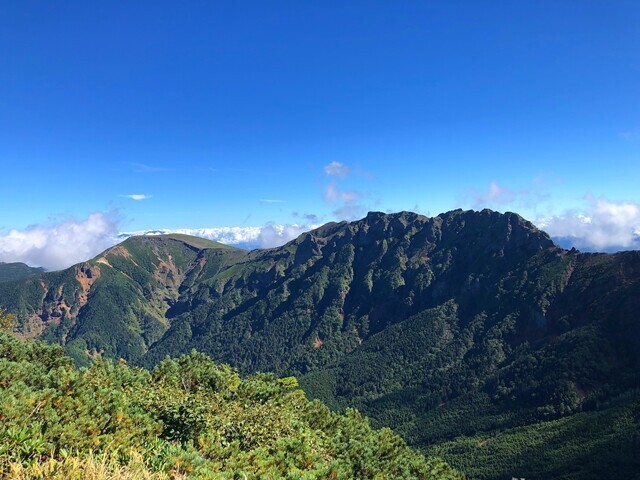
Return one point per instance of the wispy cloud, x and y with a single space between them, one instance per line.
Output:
137 196
334 194
346 203
144 168
336 169
630 135
60 245
604 225
311 218
500 196
496 194
348 208
229 169
364 174
271 200
340 170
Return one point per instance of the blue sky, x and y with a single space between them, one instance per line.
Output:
178 115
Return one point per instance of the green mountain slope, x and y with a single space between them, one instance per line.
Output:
189 417
468 333
114 304
308 303
17 271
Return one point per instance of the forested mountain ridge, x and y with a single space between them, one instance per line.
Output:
305 304
17 271
114 304
468 333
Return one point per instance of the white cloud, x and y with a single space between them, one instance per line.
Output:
349 209
61 245
64 244
144 168
226 235
137 196
344 202
334 194
496 194
336 169
271 200
276 235
267 236
603 226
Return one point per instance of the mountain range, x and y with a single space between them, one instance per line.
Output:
470 333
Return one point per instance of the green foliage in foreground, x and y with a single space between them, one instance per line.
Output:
188 417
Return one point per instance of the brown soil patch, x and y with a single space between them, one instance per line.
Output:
167 273
104 261
119 250
86 277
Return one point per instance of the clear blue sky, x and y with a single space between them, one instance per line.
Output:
230 113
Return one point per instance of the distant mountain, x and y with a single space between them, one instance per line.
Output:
114 304
247 238
244 237
17 271
471 333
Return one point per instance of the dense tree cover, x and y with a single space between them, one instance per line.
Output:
308 303
594 444
17 271
468 324
189 417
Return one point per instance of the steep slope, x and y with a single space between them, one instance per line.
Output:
471 384
466 324
17 271
309 302
114 304
470 333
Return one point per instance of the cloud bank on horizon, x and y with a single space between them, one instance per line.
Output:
58 246
267 236
603 225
